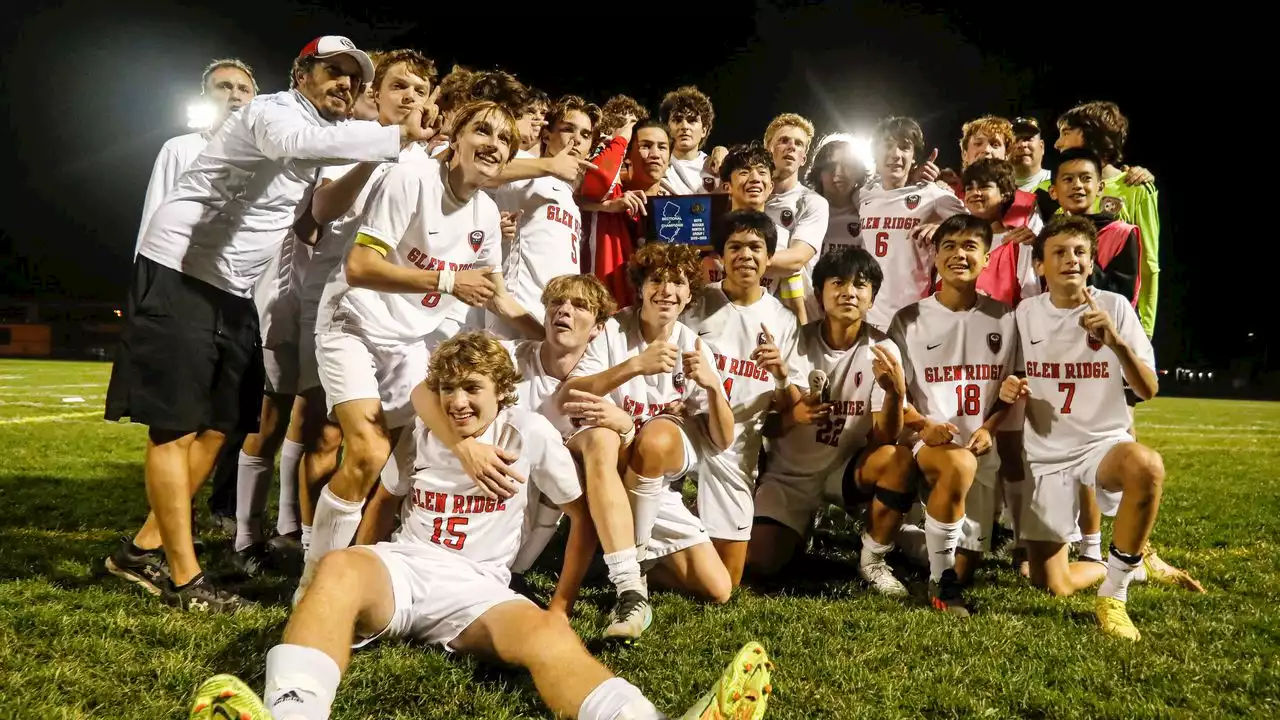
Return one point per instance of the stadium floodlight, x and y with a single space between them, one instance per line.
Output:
201 114
861 147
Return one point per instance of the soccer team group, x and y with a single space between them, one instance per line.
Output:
412 285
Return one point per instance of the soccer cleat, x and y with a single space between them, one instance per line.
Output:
201 595
947 595
145 568
742 692
881 579
630 617
253 560
226 697
1114 619
1162 572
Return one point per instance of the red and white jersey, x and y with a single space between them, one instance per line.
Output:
888 217
415 214
536 390
954 362
685 177
546 242
646 395
443 509
803 213
733 332
1077 384
809 450
843 229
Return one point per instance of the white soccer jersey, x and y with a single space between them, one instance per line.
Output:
733 331
954 362
176 155
536 391
444 509
843 229
888 217
645 396
232 208
1077 385
413 211
804 214
546 242
685 177
807 451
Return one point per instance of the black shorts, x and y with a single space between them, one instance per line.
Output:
189 358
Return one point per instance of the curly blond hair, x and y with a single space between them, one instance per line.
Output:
474 353
988 125
666 262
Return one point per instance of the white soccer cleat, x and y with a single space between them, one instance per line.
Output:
881 579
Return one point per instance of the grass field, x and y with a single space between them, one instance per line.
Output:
75 645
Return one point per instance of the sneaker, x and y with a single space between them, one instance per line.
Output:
201 595
253 560
1157 570
742 692
145 568
947 595
225 697
1114 619
630 617
881 579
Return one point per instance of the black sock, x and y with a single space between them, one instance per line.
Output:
1129 559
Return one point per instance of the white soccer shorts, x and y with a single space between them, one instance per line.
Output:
793 501
1049 511
676 527
356 368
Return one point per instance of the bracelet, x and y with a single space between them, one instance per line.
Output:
445 283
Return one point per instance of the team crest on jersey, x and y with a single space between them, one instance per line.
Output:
708 184
1112 205
994 341
788 217
913 201
475 238
852 228
857 379
1095 343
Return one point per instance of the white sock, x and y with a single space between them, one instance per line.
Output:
306 538
624 571
942 540
546 520
617 699
872 551
1119 572
290 458
1013 502
301 683
253 480
1090 547
646 498
334 525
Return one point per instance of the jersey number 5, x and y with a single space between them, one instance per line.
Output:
457 538
882 244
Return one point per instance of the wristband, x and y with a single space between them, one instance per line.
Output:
793 287
445 283
629 435
781 383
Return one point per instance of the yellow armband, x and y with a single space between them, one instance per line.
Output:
793 287
373 243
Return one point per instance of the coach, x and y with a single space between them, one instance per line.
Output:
189 363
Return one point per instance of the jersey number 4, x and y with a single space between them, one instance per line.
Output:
453 526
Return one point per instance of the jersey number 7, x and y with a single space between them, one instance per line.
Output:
1070 390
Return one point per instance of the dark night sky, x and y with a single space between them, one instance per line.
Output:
93 89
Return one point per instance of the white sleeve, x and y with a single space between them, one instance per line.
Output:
596 357
877 392
551 465
284 134
898 334
948 204
1129 328
811 221
164 175
333 172
401 482
1028 280
490 255
393 205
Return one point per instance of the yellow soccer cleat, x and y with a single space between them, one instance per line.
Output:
226 697
1114 619
742 692
1162 572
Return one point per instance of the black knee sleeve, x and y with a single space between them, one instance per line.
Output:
894 500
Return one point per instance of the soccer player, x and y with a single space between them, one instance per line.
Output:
403 81
189 364
229 85
990 194
838 175
751 334
688 116
657 369
986 137
442 578
1100 127
1078 348
426 253
839 432
747 176
802 212
894 208
531 121
957 347
1075 184
546 243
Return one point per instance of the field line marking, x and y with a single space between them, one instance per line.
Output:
47 418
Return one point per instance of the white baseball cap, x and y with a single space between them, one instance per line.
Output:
327 46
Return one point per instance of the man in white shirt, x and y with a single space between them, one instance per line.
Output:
189 364
1027 155
228 85
442 577
799 210
688 115
424 265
